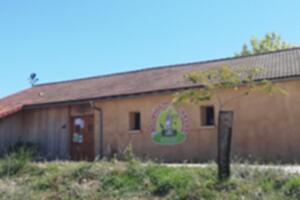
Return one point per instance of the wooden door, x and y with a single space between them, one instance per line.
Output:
83 138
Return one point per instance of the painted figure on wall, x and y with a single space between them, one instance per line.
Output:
170 126
167 129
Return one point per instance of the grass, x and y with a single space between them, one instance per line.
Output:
136 180
15 161
177 139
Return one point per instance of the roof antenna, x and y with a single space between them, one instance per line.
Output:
33 79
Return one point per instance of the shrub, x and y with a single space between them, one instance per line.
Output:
292 188
83 172
129 154
15 160
164 179
24 146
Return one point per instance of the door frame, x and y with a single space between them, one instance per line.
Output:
99 139
71 125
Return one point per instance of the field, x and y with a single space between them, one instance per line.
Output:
21 179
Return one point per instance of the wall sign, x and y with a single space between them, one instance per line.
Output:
77 135
169 125
79 122
77 138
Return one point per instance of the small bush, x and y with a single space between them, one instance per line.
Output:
129 154
83 172
24 146
15 161
43 183
166 179
292 188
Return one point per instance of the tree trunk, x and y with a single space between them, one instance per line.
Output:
224 143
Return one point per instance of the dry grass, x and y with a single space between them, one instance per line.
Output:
133 180
141 181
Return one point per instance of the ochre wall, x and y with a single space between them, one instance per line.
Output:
266 128
199 145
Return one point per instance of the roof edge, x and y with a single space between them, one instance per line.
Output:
167 66
163 91
7 113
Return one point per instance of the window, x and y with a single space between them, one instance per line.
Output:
207 116
135 121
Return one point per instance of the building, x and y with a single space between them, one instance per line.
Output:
101 116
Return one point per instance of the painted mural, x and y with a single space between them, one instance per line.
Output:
169 125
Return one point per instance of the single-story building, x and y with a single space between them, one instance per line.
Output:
101 116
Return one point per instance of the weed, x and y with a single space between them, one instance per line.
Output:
292 188
15 161
136 180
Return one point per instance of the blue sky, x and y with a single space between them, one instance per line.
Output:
67 39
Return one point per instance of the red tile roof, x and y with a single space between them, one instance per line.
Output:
278 65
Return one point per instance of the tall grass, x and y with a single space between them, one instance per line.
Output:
132 179
15 161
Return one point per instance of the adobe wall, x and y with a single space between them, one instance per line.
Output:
266 128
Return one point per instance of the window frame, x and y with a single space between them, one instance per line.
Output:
133 121
203 123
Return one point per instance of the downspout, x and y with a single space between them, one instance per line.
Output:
93 105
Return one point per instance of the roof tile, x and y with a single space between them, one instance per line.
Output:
280 64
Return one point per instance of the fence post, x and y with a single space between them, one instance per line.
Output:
224 143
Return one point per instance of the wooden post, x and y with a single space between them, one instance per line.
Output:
224 143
